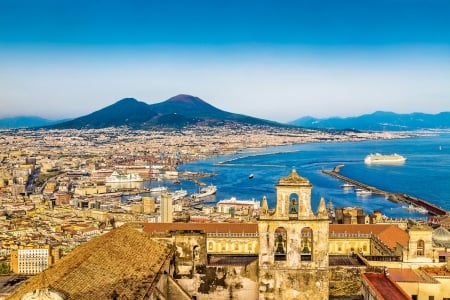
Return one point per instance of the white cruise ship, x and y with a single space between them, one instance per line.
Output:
378 158
205 191
116 177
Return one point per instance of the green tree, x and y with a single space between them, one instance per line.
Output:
4 268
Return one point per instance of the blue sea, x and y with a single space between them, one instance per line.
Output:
425 174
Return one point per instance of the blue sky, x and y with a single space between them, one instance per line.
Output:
278 60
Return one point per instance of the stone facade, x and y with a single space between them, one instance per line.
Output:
420 244
293 260
190 253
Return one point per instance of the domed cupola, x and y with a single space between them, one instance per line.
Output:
441 237
44 294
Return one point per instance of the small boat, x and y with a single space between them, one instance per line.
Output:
363 192
347 186
419 209
134 198
251 176
158 189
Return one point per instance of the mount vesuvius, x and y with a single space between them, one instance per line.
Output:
176 112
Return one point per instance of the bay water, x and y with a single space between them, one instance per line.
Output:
425 174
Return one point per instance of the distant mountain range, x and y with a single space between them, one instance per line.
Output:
183 110
26 121
380 121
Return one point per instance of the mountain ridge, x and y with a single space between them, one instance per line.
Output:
379 121
176 112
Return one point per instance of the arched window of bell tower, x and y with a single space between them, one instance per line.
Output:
306 244
280 238
293 203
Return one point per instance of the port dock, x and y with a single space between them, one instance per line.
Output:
432 209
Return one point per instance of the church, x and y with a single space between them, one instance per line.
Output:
282 256
293 241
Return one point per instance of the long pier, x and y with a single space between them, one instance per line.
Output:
395 197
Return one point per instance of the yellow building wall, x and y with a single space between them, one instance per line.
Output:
101 189
348 245
415 235
424 290
444 286
98 215
14 261
233 245
90 190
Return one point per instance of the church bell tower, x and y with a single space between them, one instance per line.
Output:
293 259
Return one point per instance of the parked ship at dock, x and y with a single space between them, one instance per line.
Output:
347 186
120 178
178 194
362 192
205 191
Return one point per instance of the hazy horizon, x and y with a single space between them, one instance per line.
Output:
271 60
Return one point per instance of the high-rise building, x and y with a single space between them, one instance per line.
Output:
166 208
148 204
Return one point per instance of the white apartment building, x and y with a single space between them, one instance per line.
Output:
30 261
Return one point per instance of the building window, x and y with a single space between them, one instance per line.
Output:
293 204
280 243
196 252
306 244
210 246
430 297
420 248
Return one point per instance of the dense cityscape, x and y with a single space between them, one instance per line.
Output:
204 150
64 188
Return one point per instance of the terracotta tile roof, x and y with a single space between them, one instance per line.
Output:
436 271
409 275
385 287
113 263
389 234
203 227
